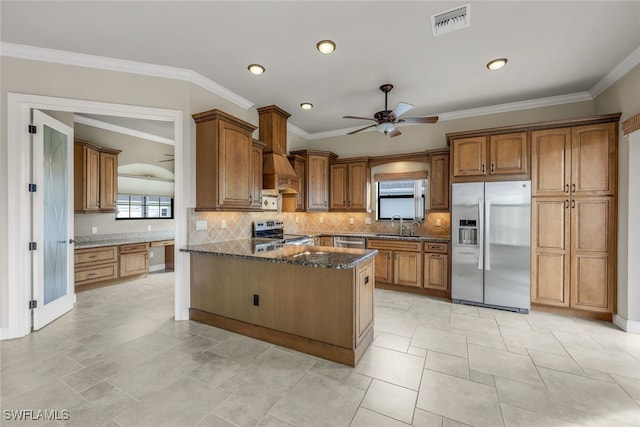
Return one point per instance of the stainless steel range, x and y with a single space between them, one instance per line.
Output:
274 230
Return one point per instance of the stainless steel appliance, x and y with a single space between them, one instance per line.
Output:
349 242
490 259
274 229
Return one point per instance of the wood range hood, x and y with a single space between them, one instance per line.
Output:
277 172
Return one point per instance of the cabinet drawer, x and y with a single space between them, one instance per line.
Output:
435 247
398 245
95 255
134 247
161 243
96 274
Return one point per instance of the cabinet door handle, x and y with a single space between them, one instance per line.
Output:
93 256
344 203
97 204
250 198
566 188
92 274
325 203
566 204
573 204
366 280
483 168
573 188
493 168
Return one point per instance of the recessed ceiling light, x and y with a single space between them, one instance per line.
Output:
256 69
306 106
326 46
496 64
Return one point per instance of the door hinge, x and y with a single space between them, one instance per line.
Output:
32 128
33 188
33 304
33 246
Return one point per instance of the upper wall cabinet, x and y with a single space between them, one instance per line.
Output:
95 178
489 157
439 182
316 179
349 183
225 163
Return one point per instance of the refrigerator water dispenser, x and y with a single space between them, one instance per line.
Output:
468 232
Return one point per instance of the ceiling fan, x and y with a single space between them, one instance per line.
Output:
386 119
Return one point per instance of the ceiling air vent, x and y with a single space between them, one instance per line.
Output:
451 20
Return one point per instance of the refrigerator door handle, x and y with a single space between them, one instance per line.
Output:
480 233
487 234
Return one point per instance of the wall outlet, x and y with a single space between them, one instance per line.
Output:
351 221
150 254
367 221
223 223
149 227
438 223
321 220
201 225
94 230
297 220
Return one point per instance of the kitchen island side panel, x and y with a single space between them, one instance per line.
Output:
315 303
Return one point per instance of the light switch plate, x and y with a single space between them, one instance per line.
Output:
201 225
223 223
438 223
351 221
94 230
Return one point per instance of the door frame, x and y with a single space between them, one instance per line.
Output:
19 274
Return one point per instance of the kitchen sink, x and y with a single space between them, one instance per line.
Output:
389 235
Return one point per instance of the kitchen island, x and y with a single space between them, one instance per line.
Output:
314 299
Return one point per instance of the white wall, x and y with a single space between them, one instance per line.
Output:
624 97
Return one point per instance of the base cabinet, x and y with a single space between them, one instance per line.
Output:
398 262
94 265
436 266
134 259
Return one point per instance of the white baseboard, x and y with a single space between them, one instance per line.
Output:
630 326
159 267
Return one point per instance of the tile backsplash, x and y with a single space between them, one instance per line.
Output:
238 224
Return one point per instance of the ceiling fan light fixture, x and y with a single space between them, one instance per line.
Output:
385 127
256 69
326 46
306 106
496 64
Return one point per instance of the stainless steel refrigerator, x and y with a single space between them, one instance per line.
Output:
491 228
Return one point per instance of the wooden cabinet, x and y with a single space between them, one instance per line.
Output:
487 157
93 265
257 149
364 299
439 182
574 161
573 239
349 183
399 262
324 241
225 162
134 259
296 202
95 178
436 266
316 179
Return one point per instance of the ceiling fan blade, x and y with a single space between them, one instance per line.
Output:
168 160
394 132
431 119
359 118
356 131
400 109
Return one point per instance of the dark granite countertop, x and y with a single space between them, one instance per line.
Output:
312 256
101 240
383 236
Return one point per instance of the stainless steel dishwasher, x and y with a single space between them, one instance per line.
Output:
349 242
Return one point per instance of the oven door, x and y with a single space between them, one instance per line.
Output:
299 240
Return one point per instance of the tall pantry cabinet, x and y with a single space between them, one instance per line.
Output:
573 235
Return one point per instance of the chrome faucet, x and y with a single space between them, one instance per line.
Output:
412 230
393 218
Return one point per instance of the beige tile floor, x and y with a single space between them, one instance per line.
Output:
118 359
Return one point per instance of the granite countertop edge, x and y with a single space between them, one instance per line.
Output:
348 260
87 242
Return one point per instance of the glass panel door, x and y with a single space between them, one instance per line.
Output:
53 219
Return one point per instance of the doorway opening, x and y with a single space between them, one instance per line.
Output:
20 263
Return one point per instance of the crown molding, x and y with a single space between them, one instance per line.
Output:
627 64
121 129
121 65
296 130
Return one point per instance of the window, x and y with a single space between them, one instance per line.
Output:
131 206
404 198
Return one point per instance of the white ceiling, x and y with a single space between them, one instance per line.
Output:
554 48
